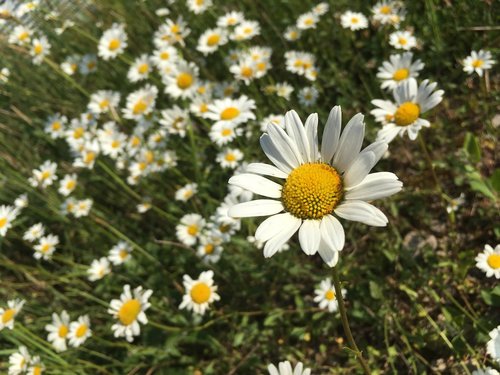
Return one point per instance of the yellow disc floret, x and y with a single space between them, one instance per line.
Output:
401 74
8 315
229 113
184 80
406 114
330 295
494 261
129 311
477 63
312 191
114 44
213 39
200 293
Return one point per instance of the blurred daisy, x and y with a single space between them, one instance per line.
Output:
4 75
45 175
478 62
140 102
8 314
103 100
70 64
278 120
36 367
46 247
18 361
211 40
325 296
353 20
82 207
384 11
246 30
34 232
144 207
171 32
455 203
486 371
120 253
181 83
190 228
398 69
55 125
283 90
404 114
7 215
67 184
234 111
489 261
98 269
58 331
21 201
285 368
307 21
175 120
493 346
88 64
130 311
40 48
229 158
308 96
318 184
79 331
230 19
200 293
21 35
140 68
320 9
113 42
292 33
198 6
222 133
210 248
402 40
186 192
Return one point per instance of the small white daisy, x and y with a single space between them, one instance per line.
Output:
181 82
34 232
478 62
113 42
79 331
18 361
103 100
40 47
285 368
198 6
58 331
398 69
353 20
493 346
234 111
45 175
402 40
7 215
186 192
325 296
190 228
8 314
489 261
200 293
229 158
140 102
120 253
140 68
307 21
98 269
211 40
67 184
46 247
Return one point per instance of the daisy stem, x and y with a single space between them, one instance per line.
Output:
345 323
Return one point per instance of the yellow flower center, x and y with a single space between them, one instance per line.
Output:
70 185
24 35
175 28
104 104
385 9
203 107
114 44
115 144
37 370
494 261
45 247
56 125
63 331
401 74
139 107
38 49
81 330
330 295
135 141
229 113
89 157
192 229
226 132
406 114
45 175
200 293
213 40
91 65
309 21
402 41
164 55
123 254
230 157
354 20
209 248
129 311
246 72
184 80
3 221
78 133
8 315
477 63
143 68
312 191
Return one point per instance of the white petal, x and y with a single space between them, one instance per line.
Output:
330 257
358 170
331 134
375 186
285 146
271 227
257 184
349 143
378 148
288 228
309 236
266 170
297 133
362 212
274 155
332 233
311 127
259 207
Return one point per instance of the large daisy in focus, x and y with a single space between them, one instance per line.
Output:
320 184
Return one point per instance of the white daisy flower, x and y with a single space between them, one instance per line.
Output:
181 83
45 175
103 100
140 68
231 111
353 20
98 269
485 371
7 215
308 96
34 232
190 228
130 311
82 207
21 35
229 158
46 247
285 368
120 253
175 120
319 183
301 63
325 296
18 362
140 102
211 40
222 133
87 154
402 40
143 207
245 70
278 120
384 11
171 32
404 114
186 192
198 6
68 184
36 367
493 346
200 293
246 30
230 19
398 69
7 315
55 125
209 249
113 42
307 21
292 33
21 201
489 261
79 331
58 331
88 64
40 47
113 144
70 64
164 57
320 9
455 203
283 89
478 62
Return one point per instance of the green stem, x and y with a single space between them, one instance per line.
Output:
345 323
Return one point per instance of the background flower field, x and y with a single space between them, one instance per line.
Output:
417 303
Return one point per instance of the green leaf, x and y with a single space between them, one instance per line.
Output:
482 188
375 290
495 180
471 146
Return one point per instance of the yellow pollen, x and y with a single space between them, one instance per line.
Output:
261 66
354 20
135 141
123 254
78 133
200 293
402 41
143 68
104 104
184 80
175 28
8 315
24 35
74 67
37 370
494 261
201 89
89 157
230 157
209 248
477 63
293 35
385 9
149 156
63 331
309 21
45 247
226 132
247 30
140 107
330 295
115 144
406 114
401 74
312 191
142 166
229 113
56 125
213 40
91 65
203 108
70 185
246 72
3 221
129 311
38 49
81 330
164 55
192 229
114 44
45 175
199 2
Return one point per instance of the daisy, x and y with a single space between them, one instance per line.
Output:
186 192
353 20
120 253
45 175
231 111
40 48
130 311
325 296
7 215
79 331
67 184
300 62
70 64
164 57
486 371
55 125
21 35
171 32
140 102
46 247
404 114
222 133
292 33
384 11
230 19
320 9
489 261
198 6
318 184
200 293
283 89
455 203
98 269
308 96
285 368
307 21
244 70
140 68
278 120
402 40
34 232
4 75
113 144
18 362
82 207
181 83
209 249
398 69
36 367
21 201
211 40
88 64
8 314
246 30
190 228
478 62
229 158
493 346
113 42
58 331
103 100
144 207
175 120
88 151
